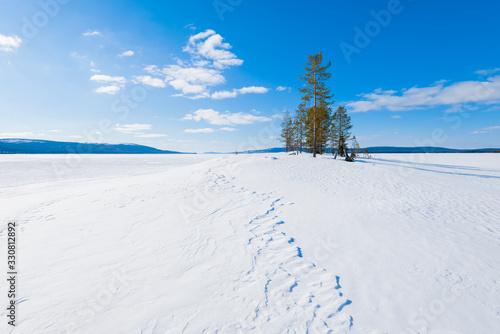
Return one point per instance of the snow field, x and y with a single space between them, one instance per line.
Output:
255 244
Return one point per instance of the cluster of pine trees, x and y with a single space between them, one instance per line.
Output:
314 127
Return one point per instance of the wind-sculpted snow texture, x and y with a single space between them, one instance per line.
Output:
264 243
149 254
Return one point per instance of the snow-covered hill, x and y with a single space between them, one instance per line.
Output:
36 146
264 243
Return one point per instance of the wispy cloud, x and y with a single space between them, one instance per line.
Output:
481 92
116 83
111 90
151 135
76 55
217 118
488 72
494 108
16 135
149 81
205 130
192 80
92 33
126 54
181 140
228 129
132 128
485 130
108 79
283 88
9 43
235 92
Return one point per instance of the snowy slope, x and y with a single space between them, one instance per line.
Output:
255 243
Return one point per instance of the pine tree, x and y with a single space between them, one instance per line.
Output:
316 101
287 131
298 131
355 146
341 127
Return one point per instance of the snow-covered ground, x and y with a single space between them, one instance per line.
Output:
264 243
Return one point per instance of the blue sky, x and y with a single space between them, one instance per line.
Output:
215 75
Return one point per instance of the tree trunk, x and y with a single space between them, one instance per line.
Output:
314 109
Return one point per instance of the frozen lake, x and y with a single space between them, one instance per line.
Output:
255 243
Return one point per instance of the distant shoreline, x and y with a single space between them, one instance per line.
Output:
35 146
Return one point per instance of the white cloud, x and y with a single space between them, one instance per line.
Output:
209 46
149 81
488 72
205 130
55 130
9 43
126 54
76 55
224 95
228 129
227 118
111 90
108 79
494 108
485 130
181 140
283 88
151 135
396 116
132 128
16 135
92 33
492 128
192 80
482 92
152 69
253 89
245 90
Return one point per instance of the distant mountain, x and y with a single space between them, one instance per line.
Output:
32 146
384 149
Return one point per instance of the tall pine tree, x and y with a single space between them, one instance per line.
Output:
287 131
298 133
341 133
316 101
